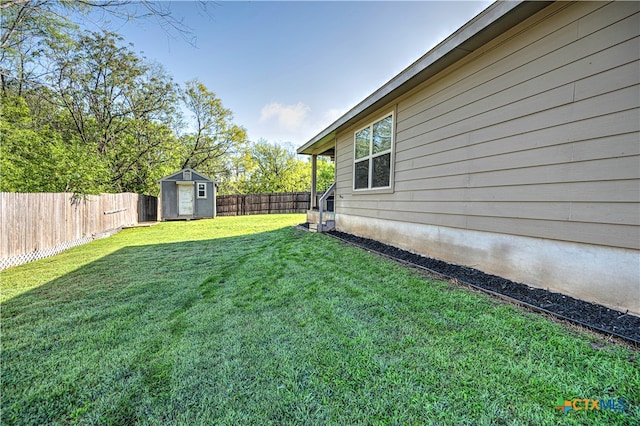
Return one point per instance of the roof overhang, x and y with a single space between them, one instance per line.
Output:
487 25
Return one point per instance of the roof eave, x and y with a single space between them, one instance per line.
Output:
488 24
167 178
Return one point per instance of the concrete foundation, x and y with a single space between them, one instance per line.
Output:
605 275
313 216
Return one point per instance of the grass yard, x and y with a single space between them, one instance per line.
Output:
247 320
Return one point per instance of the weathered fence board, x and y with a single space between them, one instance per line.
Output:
37 225
284 202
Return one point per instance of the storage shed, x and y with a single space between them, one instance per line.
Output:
187 194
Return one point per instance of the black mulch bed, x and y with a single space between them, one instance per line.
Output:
587 314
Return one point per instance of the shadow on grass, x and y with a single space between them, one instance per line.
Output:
286 327
99 334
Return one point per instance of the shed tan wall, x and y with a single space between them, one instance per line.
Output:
536 134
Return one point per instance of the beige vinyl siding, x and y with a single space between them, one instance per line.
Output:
535 134
523 80
624 214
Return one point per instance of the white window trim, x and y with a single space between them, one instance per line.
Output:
369 157
204 184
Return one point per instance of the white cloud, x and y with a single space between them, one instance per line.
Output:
289 117
296 123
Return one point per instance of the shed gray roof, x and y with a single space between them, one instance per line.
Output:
196 175
490 23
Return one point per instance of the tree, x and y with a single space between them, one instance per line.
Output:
234 179
24 27
37 159
214 136
103 85
28 26
272 167
85 113
119 105
325 173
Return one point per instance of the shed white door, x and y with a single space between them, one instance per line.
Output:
185 200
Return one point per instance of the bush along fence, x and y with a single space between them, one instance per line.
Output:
282 202
39 225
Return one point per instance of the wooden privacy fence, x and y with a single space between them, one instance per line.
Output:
34 226
282 202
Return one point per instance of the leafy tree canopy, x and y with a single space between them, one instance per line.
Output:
83 112
274 167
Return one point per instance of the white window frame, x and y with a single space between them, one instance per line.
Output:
186 175
204 185
371 155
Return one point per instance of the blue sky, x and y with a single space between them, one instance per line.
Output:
288 69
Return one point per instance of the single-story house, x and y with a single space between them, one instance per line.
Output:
511 147
187 194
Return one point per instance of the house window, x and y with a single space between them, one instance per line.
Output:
186 175
202 190
372 159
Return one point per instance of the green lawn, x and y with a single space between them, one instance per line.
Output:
249 320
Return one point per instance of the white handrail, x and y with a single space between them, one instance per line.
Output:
324 197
